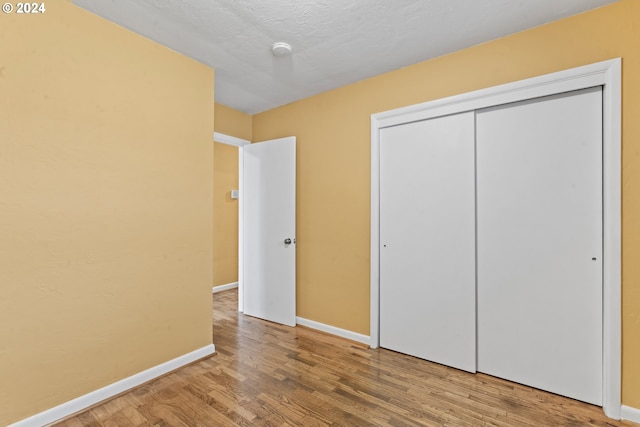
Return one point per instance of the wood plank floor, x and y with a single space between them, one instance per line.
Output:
264 374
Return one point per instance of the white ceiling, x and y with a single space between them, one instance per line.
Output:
335 42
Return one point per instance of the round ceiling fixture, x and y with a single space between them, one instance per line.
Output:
281 49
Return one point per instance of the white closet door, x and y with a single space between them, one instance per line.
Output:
539 192
427 249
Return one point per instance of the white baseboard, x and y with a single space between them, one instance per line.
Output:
83 402
353 336
226 287
630 414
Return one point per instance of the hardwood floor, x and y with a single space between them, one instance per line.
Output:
264 374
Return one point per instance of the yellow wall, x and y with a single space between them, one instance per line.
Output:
333 152
105 206
233 122
225 218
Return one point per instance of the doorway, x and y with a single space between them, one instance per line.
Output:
227 207
259 220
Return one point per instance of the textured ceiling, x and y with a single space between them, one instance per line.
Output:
335 42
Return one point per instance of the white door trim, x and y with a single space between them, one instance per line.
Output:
229 140
240 230
238 142
607 74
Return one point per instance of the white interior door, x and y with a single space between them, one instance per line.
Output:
427 240
539 193
269 226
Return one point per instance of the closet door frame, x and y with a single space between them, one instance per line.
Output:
607 74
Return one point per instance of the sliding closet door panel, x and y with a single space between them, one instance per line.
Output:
539 190
427 250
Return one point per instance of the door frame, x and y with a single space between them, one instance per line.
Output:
237 142
607 74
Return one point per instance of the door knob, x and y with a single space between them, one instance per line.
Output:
287 241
